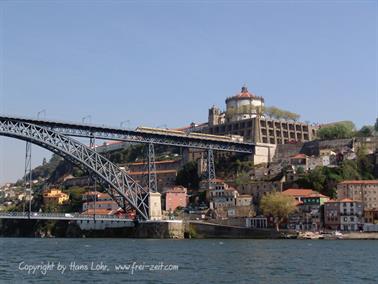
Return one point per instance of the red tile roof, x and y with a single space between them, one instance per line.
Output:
317 195
342 200
189 127
217 180
244 93
156 172
245 196
299 156
346 200
103 202
176 189
299 192
97 212
99 194
359 182
157 162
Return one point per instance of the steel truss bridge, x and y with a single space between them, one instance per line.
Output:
55 136
121 134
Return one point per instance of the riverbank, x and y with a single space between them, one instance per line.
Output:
360 236
170 229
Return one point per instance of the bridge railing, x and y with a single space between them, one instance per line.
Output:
40 215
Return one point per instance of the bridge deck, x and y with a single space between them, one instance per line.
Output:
62 216
121 134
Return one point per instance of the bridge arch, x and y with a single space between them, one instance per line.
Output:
123 189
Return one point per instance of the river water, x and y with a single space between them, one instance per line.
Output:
187 261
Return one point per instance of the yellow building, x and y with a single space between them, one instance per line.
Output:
54 196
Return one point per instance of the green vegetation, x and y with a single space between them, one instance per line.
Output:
231 166
366 131
75 202
192 232
188 176
242 179
325 179
340 130
277 113
278 206
273 112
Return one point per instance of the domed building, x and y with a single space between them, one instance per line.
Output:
244 116
243 105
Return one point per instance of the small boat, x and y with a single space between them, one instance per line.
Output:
309 236
337 234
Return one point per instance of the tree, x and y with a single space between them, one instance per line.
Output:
339 130
277 113
366 131
364 163
278 206
376 125
188 176
243 178
349 170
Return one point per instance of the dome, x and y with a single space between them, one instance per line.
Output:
244 93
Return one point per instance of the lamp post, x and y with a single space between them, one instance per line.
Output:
89 117
41 112
123 122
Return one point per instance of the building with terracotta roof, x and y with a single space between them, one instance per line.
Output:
54 196
257 189
365 191
371 215
299 193
311 212
223 198
299 161
343 214
166 172
212 188
244 117
160 165
225 201
98 203
96 196
175 197
165 178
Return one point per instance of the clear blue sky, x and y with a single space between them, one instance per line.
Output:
164 62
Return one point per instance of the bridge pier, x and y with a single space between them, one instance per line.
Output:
154 210
151 177
28 176
210 165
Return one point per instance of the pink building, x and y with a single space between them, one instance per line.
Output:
175 197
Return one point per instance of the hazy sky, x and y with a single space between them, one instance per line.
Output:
166 62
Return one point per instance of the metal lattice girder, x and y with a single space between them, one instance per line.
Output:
110 133
151 169
210 165
28 176
125 189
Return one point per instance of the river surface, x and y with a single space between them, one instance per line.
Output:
25 260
